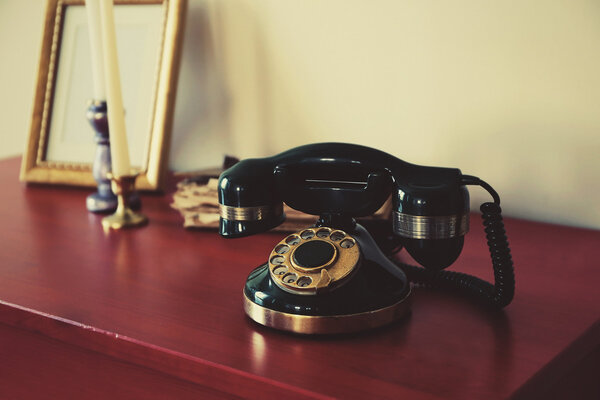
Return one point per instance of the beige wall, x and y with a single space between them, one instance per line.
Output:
20 36
505 90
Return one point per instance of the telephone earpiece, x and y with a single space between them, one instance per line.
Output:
333 277
249 201
432 221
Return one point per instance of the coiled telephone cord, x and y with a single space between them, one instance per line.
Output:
499 294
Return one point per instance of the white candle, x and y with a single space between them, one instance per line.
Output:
93 16
119 151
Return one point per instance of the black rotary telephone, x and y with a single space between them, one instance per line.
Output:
333 277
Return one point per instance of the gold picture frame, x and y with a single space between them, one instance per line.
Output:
60 161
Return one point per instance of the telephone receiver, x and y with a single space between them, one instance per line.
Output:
333 277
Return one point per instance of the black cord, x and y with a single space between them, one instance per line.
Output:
473 180
501 293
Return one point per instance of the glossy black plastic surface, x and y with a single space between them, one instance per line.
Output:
371 289
314 253
434 253
234 229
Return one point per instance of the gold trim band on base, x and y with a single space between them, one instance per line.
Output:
326 324
250 213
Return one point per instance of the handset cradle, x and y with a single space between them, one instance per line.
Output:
333 277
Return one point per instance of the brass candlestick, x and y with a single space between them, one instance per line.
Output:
124 216
103 200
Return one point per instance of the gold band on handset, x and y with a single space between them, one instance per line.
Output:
430 227
250 213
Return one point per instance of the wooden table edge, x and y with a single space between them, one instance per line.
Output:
140 353
574 357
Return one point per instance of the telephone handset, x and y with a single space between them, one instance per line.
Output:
333 277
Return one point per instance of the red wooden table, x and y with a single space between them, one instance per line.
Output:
156 312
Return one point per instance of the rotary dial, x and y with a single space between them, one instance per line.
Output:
313 260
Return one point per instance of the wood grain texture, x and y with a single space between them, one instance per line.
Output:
42 368
170 300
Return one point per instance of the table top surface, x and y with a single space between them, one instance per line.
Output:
178 292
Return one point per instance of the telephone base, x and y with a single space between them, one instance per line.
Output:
371 299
